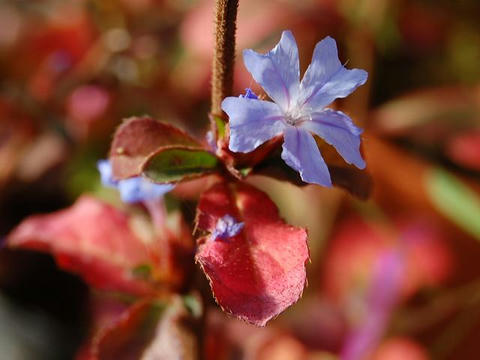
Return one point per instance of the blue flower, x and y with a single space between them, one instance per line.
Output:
105 169
226 227
298 110
132 190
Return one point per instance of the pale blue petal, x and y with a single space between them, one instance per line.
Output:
326 79
252 122
105 169
226 227
300 152
278 71
138 189
338 130
133 190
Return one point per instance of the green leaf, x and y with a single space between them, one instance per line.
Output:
220 124
455 200
179 163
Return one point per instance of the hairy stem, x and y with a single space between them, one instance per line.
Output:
224 53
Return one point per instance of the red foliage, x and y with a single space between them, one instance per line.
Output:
358 244
464 149
152 328
137 138
258 273
92 239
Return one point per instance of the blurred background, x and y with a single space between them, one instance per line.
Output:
394 277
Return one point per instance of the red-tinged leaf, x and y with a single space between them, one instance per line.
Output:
429 113
104 309
137 138
464 149
92 239
258 273
129 335
148 330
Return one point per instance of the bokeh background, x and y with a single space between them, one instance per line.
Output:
394 277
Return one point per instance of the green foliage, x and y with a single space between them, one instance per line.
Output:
175 164
455 200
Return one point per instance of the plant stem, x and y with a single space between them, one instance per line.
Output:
224 53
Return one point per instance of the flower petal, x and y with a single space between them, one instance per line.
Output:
338 130
104 167
326 79
132 190
300 152
278 71
226 227
252 122
138 189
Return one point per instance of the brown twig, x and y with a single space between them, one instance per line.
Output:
224 53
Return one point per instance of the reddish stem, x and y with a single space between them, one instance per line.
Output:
224 53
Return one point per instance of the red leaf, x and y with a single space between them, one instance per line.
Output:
260 272
129 335
464 149
137 138
92 239
149 329
104 309
429 114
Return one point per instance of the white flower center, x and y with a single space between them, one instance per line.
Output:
296 117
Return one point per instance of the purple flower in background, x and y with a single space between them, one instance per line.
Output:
133 190
298 109
381 298
226 227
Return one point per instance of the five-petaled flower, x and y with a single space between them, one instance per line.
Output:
299 107
132 190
